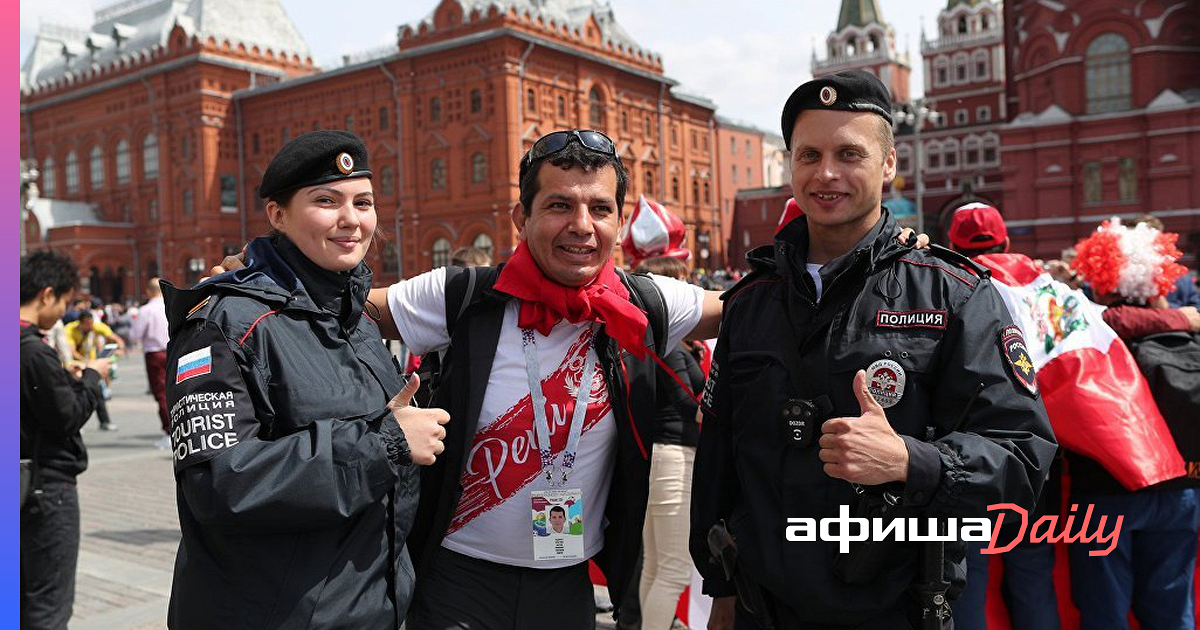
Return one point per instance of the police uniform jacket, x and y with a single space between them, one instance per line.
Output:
932 312
294 483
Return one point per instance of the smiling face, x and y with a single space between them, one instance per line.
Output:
572 224
332 223
839 167
557 520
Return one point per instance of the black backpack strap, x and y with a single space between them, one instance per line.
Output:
646 295
464 286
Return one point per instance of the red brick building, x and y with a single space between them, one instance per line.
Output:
964 83
740 166
1104 105
186 111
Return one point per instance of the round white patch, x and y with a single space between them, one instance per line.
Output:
828 96
345 163
885 382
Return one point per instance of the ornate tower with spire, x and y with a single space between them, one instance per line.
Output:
864 41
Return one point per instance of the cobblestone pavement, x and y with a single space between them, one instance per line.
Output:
129 527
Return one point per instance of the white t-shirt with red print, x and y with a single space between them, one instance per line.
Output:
492 520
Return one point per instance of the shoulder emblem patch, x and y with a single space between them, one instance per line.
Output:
1016 354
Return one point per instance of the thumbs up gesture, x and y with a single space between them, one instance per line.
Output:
423 428
863 450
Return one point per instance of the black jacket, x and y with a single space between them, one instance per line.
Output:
54 406
294 485
463 383
675 421
749 473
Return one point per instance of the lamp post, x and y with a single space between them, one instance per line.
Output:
917 117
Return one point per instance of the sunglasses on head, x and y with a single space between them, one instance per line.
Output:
552 143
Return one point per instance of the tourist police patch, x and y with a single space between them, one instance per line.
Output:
1012 344
885 382
911 319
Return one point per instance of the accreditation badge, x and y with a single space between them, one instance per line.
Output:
557 524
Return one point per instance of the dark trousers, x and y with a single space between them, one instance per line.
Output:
1150 570
1028 588
49 552
156 373
457 592
102 412
786 618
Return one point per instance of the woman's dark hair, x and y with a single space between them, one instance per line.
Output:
573 156
664 266
46 269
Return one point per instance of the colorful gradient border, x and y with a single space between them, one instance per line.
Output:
10 519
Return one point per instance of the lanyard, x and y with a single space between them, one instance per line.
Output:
540 425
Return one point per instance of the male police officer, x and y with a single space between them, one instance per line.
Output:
839 356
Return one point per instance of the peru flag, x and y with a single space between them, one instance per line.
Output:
1098 401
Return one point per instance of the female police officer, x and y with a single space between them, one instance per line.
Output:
295 481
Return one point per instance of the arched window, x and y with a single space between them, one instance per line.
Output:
435 109
648 179
150 156
531 101
437 174
72 173
387 180
562 107
961 61
476 101
903 159
933 156
675 188
441 253
971 151
875 45
595 109
123 162
707 196
980 62
1108 82
624 122
950 153
941 71
478 168
484 242
984 22
962 25
991 149
96 167
49 178
649 126
696 191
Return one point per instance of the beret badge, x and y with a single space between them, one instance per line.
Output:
828 96
345 163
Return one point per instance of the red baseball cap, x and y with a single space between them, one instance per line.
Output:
977 226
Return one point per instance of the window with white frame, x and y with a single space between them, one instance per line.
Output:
960 117
1108 74
150 156
49 177
979 62
941 71
950 154
72 166
96 167
441 253
991 149
983 113
971 151
933 156
961 61
903 159
123 169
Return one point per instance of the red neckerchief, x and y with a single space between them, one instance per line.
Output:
544 302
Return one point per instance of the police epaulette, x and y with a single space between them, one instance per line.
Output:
957 259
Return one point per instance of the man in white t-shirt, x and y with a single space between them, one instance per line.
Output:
549 380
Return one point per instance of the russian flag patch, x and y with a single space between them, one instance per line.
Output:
194 364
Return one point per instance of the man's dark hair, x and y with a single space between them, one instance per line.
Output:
998 248
558 508
85 314
46 269
574 156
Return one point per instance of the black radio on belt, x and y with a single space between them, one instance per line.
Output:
801 418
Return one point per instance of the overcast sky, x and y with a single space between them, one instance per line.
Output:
746 55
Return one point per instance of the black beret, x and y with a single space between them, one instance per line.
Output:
315 158
847 91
